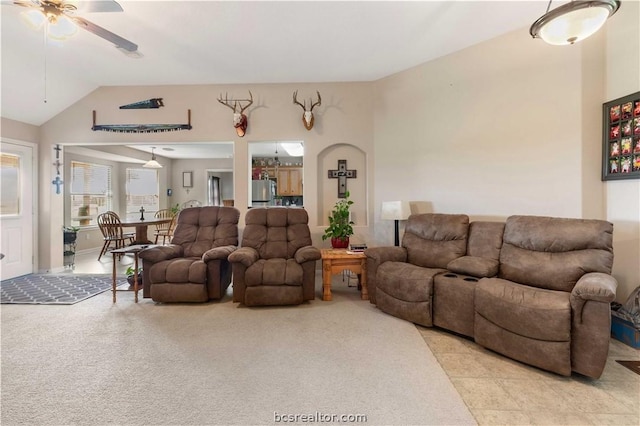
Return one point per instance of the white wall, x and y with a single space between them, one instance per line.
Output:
345 117
623 197
511 126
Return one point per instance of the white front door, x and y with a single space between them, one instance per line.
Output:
16 210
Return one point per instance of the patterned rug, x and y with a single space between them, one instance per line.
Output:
52 289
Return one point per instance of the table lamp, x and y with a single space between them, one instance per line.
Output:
395 210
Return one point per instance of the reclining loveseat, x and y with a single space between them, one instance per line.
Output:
536 289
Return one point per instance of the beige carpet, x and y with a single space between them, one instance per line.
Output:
96 363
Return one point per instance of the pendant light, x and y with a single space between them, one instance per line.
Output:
152 164
573 21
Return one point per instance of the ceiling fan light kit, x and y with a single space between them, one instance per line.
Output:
573 21
61 21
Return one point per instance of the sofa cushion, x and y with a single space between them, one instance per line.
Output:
553 253
276 232
199 229
485 239
179 270
274 272
434 240
526 311
474 266
406 282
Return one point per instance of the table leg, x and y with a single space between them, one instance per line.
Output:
113 283
326 279
141 235
135 277
363 281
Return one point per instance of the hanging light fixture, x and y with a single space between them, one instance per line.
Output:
153 163
573 21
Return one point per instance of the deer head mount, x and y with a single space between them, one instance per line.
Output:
239 118
307 116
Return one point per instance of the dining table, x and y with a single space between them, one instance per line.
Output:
142 226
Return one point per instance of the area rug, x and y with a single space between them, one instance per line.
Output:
631 365
53 289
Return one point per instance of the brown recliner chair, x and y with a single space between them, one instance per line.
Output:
195 266
276 263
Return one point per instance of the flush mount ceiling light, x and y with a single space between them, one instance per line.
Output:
574 21
152 164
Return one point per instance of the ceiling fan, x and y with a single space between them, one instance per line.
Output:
61 20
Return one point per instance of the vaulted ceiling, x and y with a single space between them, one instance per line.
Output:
241 42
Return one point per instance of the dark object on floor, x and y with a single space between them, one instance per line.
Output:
50 289
631 365
625 332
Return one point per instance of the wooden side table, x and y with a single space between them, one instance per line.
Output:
335 261
135 249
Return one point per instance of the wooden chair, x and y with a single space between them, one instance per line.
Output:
112 233
164 230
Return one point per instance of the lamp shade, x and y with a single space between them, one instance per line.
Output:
153 163
395 210
574 21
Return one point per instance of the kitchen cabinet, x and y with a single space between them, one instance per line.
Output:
289 181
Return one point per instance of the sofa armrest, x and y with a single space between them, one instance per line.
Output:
306 254
160 253
479 267
247 256
218 253
385 254
593 286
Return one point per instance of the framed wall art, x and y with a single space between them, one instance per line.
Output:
187 179
621 138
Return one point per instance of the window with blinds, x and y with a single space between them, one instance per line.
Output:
90 192
142 190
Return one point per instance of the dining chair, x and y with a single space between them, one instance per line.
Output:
164 230
112 233
191 203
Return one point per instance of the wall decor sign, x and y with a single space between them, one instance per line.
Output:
621 138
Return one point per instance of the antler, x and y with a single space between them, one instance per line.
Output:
225 101
295 101
247 105
316 103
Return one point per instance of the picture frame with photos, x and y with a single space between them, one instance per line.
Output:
621 138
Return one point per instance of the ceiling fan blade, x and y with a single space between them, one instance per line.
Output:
23 3
120 42
93 6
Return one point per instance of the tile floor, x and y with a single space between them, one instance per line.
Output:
500 391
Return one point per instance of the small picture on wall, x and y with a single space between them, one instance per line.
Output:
614 131
613 166
621 138
614 113
627 110
614 150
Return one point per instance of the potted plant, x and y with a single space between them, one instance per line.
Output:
340 226
70 234
130 275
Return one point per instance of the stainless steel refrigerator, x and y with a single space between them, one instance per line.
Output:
263 193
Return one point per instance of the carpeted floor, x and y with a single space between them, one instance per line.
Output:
52 289
219 363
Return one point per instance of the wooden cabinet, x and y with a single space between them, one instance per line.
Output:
289 181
